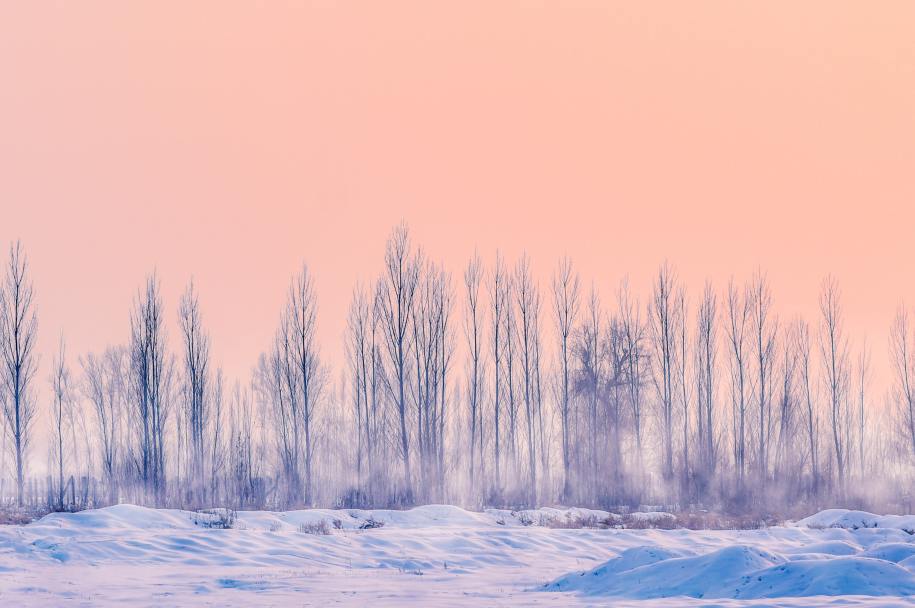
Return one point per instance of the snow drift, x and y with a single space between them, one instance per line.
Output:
444 555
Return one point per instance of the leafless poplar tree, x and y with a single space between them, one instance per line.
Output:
61 415
802 338
902 346
737 330
706 381
528 308
499 302
473 332
663 317
834 351
196 379
565 309
765 329
395 296
633 335
151 382
302 314
105 385
18 331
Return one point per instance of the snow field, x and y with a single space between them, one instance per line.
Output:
441 555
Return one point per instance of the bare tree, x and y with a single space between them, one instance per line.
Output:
633 334
802 337
787 403
864 371
151 381
395 295
473 332
498 299
528 307
196 376
681 363
834 351
302 313
359 355
105 385
18 331
765 329
902 345
663 317
738 319
565 308
61 415
706 367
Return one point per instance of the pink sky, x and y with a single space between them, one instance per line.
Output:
231 141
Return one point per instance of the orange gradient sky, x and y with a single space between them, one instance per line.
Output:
233 140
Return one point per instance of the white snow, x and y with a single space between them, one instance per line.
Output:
443 556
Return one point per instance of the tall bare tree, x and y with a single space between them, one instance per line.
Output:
18 331
473 332
61 415
664 321
151 372
633 335
105 384
565 308
395 298
834 351
528 308
802 338
765 329
706 367
902 354
302 314
196 380
737 329
499 301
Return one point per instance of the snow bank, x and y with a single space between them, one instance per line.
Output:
444 555
833 553
716 574
854 520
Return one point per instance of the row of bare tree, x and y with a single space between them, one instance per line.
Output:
482 391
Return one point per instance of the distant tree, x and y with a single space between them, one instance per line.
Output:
18 331
902 353
664 323
151 376
834 351
565 310
61 415
302 314
395 298
473 332
196 379
738 311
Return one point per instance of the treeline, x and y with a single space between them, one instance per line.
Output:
482 389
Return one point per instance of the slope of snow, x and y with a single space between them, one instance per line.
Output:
854 520
440 555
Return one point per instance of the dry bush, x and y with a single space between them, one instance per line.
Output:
371 523
319 528
219 519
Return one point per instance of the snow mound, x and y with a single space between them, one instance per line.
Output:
891 552
660 574
630 559
840 576
117 517
855 520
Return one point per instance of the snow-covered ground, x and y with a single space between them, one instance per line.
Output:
443 556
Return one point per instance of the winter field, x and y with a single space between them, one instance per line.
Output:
444 556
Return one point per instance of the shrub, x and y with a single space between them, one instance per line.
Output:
219 519
318 527
371 523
